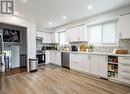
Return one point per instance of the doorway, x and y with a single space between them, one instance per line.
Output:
14 49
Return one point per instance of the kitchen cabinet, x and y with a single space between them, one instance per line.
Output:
46 36
94 64
77 33
87 63
102 65
54 37
124 70
124 28
78 62
39 34
58 58
83 33
55 57
72 35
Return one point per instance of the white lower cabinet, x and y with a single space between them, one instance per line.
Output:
94 64
87 63
124 70
55 57
102 65
78 62
58 58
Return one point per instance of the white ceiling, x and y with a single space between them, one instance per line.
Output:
45 11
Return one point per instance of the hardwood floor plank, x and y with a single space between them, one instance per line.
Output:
59 81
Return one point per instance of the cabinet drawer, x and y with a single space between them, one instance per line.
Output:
124 60
124 66
124 79
77 66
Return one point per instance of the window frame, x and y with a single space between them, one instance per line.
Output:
103 23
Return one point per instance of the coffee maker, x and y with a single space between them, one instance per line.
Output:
74 48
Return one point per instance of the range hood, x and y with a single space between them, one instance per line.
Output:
39 38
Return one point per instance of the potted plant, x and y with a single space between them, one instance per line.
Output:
91 47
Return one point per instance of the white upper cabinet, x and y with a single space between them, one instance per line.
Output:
77 33
46 37
39 34
54 37
83 33
124 26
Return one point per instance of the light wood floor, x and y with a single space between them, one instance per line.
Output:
49 80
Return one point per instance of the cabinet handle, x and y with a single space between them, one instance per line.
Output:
126 71
126 78
126 64
75 62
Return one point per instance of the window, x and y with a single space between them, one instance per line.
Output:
103 34
109 34
61 38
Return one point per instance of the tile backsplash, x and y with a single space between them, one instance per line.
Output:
107 49
124 44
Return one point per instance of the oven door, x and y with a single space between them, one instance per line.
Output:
41 58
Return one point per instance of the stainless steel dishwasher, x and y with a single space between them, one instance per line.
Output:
65 59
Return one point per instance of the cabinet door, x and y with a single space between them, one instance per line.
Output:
83 33
38 34
102 65
77 61
47 53
69 33
124 28
124 70
46 38
87 62
58 58
94 65
73 34
53 57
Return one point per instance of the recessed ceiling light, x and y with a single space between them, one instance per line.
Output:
50 23
16 13
90 7
64 17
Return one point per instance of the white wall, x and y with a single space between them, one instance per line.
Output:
98 18
31 33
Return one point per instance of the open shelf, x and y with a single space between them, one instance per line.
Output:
112 66
113 63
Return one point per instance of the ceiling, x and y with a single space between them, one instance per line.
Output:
45 11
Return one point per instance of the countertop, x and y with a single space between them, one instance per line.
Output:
102 53
96 53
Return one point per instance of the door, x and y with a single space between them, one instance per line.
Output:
15 56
